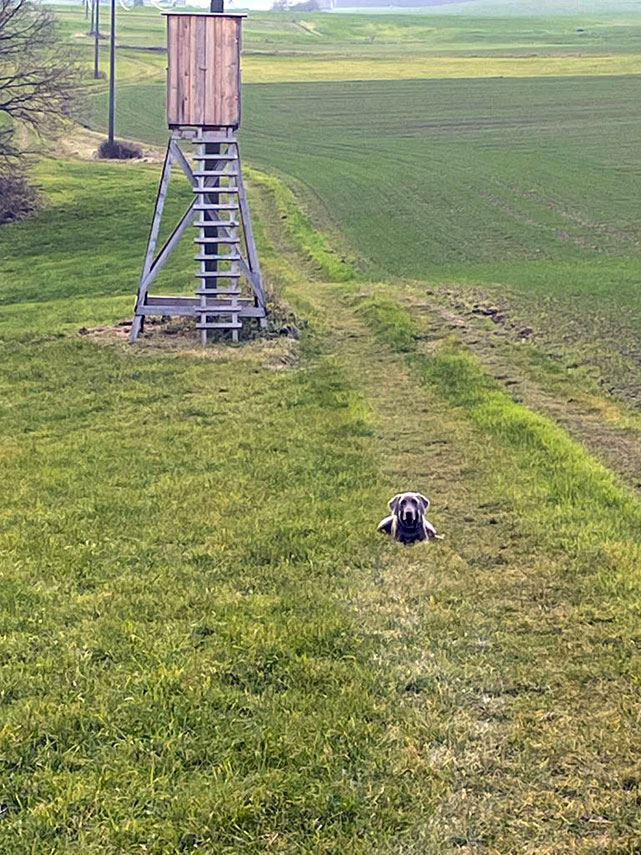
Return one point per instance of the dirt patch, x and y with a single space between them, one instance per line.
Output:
277 350
83 143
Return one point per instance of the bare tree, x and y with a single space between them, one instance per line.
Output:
38 73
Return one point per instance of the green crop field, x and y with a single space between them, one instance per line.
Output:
478 182
205 645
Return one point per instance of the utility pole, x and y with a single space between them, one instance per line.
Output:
96 41
112 73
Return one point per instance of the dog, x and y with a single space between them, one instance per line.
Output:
407 522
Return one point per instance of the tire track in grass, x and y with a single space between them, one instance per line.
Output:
556 593
512 646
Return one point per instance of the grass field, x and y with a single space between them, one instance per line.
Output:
486 182
192 665
206 647
496 197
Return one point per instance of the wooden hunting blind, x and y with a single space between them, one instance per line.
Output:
203 111
203 74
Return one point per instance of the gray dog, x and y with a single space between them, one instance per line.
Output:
407 523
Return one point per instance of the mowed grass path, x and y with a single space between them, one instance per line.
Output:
206 645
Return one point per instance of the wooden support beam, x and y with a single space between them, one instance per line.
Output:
170 243
143 285
186 311
182 160
252 254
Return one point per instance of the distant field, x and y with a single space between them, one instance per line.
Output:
281 47
543 8
494 9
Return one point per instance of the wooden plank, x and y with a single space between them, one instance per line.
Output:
224 326
215 291
210 190
199 70
170 310
231 206
217 173
212 274
227 295
230 93
182 160
210 309
215 224
238 71
218 24
252 254
184 82
190 60
204 223
180 310
143 284
172 70
158 210
170 243
223 257
210 50
161 300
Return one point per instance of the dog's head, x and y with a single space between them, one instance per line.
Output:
409 508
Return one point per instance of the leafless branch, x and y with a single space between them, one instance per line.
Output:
38 73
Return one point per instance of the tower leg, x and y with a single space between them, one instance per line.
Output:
138 322
252 254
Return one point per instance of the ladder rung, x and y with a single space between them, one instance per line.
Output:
214 224
216 157
203 224
221 239
227 326
207 292
216 173
211 191
224 258
225 294
214 206
219 310
216 274
203 257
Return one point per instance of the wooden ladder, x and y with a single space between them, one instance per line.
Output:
218 217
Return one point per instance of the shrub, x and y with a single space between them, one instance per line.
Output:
118 150
17 197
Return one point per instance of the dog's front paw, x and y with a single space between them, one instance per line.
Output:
386 525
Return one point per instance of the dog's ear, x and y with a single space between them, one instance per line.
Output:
423 500
393 503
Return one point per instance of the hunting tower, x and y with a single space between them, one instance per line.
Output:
203 114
